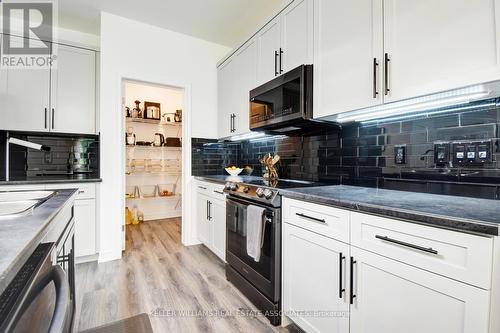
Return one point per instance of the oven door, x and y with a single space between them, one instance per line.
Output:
264 274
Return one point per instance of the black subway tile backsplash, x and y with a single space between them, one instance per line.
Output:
363 155
68 154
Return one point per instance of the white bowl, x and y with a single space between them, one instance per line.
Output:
234 172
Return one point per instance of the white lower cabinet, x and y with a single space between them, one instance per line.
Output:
86 245
392 297
211 217
314 280
203 224
403 284
85 228
219 228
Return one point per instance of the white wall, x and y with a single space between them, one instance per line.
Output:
138 51
62 35
170 99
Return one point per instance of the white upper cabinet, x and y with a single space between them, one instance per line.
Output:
269 41
282 44
286 41
296 35
348 55
24 97
226 78
73 92
439 45
60 99
246 67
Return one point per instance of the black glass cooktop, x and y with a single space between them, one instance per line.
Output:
282 183
261 182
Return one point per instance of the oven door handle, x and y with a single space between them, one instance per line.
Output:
241 203
57 275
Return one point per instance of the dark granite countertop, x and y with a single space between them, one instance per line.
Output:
21 235
471 215
53 179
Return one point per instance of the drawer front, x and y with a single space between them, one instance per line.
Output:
217 192
203 187
327 221
85 190
213 190
456 255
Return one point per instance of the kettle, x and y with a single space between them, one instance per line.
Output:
159 140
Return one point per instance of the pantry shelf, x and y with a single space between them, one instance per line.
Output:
157 198
151 122
177 149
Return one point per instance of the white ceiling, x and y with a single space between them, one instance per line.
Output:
224 22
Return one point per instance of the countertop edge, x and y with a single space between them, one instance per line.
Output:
428 219
18 261
52 181
210 180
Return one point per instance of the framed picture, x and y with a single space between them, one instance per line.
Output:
152 110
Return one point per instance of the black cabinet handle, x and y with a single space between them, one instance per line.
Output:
281 60
53 118
218 192
412 246
234 122
352 296
276 63
207 211
201 187
341 274
375 67
310 217
386 71
45 119
210 210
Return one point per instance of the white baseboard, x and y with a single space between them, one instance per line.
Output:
84 259
109 256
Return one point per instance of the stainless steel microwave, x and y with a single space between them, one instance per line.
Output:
284 104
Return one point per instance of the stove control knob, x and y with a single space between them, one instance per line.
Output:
260 192
268 193
233 187
246 189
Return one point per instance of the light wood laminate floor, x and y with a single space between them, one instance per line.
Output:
158 275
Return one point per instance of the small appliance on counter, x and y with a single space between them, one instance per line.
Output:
130 137
173 142
159 140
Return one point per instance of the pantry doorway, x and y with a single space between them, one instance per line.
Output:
153 153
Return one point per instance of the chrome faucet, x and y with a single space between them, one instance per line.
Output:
22 143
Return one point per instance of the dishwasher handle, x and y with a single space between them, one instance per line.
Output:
57 275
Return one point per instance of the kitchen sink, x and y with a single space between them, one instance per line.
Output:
25 195
22 203
9 209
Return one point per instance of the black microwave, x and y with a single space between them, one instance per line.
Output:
284 104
